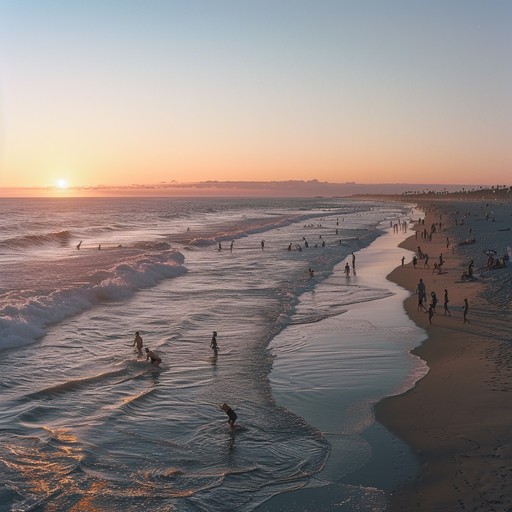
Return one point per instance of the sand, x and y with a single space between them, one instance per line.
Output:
458 418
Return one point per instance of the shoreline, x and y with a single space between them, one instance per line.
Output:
456 418
389 461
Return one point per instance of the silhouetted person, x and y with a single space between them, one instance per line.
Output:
138 343
231 414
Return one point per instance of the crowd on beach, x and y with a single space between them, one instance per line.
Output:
421 256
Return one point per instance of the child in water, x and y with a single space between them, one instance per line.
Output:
231 414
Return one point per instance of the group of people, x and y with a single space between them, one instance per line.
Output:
421 292
150 354
138 343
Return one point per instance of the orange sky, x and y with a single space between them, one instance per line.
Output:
384 92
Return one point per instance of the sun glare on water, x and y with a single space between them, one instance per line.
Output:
62 184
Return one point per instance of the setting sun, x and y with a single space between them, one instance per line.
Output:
62 184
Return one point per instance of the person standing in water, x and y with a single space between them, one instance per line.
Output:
137 342
155 359
213 343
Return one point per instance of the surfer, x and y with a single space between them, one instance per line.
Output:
79 244
155 359
138 343
231 414
213 343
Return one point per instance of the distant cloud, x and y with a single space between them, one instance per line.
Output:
291 188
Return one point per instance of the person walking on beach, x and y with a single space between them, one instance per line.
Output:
446 310
422 293
137 342
414 261
434 301
425 264
347 269
231 414
430 314
403 260
155 359
465 310
354 262
213 343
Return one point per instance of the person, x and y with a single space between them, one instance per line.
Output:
347 269
79 244
414 261
353 262
262 245
446 310
231 414
138 343
465 309
213 343
311 273
422 293
403 260
155 359
430 314
231 245
471 267
426 265
434 301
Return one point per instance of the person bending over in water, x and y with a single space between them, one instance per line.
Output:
155 359
138 343
213 343
231 414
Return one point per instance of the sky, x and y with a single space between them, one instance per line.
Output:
128 93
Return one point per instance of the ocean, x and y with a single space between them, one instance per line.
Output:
89 425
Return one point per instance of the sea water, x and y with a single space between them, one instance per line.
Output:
88 424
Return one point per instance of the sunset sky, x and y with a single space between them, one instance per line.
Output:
117 93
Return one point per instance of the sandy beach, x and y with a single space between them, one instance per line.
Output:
457 418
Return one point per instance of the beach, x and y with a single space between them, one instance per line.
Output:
457 418
308 357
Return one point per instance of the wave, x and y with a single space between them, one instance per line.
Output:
27 241
25 320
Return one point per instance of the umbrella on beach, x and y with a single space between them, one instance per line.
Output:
490 252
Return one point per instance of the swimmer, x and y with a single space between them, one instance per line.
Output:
138 342
155 359
231 414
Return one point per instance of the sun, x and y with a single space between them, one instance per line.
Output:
62 184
